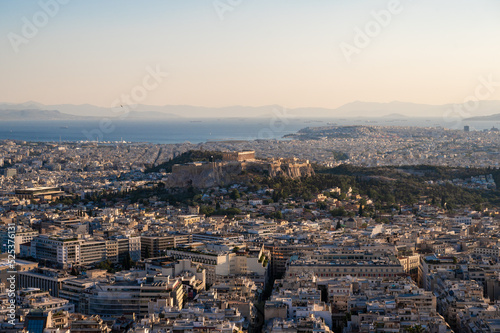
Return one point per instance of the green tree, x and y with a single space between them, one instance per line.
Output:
107 265
416 329
340 211
321 205
235 194
127 262
360 211
231 211
207 210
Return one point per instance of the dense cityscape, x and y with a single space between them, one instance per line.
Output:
254 236
232 166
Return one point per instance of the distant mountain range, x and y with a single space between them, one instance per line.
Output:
35 115
493 117
401 109
393 110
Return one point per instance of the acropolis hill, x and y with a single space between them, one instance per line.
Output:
233 167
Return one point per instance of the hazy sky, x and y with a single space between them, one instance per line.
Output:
248 52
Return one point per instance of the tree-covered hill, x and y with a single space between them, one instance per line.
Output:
189 156
408 184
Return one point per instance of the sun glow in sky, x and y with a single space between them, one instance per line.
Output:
248 52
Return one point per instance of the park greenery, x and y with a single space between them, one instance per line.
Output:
388 187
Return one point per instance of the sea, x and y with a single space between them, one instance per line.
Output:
198 131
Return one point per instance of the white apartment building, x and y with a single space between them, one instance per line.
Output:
78 251
224 263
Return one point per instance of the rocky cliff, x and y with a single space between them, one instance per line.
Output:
209 174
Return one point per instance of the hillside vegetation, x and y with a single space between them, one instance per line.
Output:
189 156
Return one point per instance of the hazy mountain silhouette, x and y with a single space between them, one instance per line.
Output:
493 117
354 109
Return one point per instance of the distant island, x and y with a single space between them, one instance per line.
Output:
6 115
